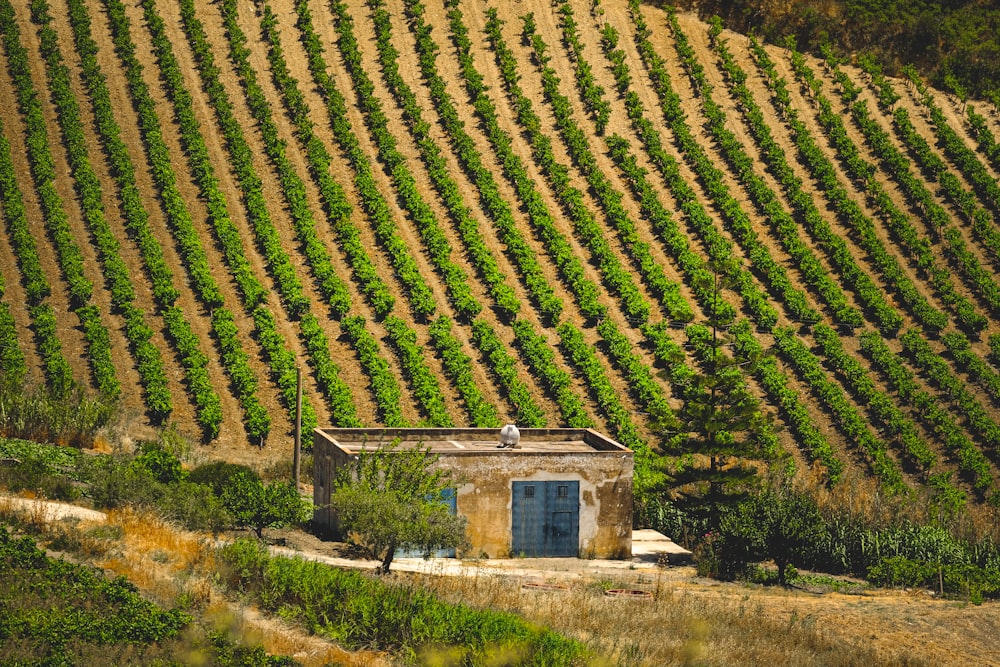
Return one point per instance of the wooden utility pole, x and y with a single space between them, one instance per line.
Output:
298 426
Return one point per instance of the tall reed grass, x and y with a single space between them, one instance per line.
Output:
34 413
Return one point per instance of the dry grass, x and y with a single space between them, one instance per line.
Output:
679 625
166 563
692 621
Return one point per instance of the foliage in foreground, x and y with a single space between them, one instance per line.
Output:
358 611
789 528
391 498
35 413
58 613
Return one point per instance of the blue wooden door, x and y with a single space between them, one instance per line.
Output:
545 518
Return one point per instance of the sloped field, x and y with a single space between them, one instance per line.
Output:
465 213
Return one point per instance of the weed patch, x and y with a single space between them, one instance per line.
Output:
360 611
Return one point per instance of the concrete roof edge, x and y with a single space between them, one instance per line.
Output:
591 437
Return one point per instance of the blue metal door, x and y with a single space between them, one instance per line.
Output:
562 501
528 518
545 518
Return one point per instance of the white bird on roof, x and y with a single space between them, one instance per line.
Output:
509 437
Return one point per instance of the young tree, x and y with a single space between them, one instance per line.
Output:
391 498
715 432
257 505
782 525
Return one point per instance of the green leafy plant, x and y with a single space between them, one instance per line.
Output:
781 525
361 611
162 464
57 612
391 498
256 505
217 474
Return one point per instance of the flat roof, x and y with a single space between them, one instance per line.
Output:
473 440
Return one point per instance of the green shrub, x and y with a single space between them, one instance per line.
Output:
898 572
73 603
115 482
63 459
194 506
48 470
790 529
961 580
61 613
118 481
33 473
255 505
781 525
218 473
162 464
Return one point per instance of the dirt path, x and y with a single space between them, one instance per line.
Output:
16 299
183 407
342 353
447 66
64 186
231 429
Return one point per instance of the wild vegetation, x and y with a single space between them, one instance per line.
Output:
952 43
73 611
75 614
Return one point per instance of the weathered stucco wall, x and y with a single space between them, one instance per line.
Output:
605 497
484 494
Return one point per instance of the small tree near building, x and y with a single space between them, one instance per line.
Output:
256 505
783 525
389 499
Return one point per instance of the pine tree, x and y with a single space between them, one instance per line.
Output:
719 456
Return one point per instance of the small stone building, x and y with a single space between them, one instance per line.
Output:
540 492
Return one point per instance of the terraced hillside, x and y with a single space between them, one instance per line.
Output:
468 213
